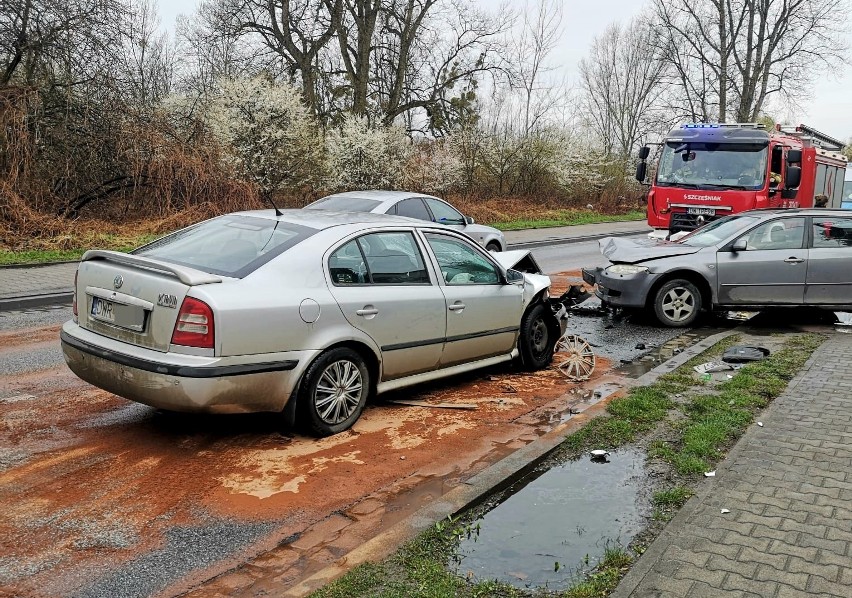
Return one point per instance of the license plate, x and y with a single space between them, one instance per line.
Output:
103 310
701 211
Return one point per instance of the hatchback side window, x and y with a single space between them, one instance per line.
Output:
444 214
786 233
413 208
832 232
461 263
347 265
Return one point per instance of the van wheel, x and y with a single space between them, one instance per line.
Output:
536 341
677 303
334 391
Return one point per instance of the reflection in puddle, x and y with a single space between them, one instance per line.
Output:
568 515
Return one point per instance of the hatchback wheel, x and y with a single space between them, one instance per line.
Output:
677 303
537 339
334 391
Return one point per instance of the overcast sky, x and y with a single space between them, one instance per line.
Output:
829 111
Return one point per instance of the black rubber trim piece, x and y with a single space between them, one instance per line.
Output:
177 370
450 339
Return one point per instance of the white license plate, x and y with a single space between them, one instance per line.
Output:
103 310
701 211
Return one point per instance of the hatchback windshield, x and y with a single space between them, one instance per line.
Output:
713 165
230 245
718 230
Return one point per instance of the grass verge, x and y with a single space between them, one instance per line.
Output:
567 218
96 241
715 416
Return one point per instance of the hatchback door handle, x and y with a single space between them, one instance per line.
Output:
367 311
457 307
794 260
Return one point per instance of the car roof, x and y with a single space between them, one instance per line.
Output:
800 212
379 195
323 219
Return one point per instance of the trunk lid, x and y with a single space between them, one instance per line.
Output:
133 299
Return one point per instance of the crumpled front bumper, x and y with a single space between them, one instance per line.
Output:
620 290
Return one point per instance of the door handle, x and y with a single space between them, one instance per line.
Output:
367 311
794 260
457 307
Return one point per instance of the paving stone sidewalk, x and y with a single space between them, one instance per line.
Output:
788 486
37 280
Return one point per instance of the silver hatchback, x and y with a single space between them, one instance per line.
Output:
305 313
752 260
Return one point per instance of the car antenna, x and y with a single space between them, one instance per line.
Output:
268 196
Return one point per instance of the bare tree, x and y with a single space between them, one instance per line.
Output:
730 56
146 64
621 82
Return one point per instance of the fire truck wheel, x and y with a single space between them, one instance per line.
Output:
677 303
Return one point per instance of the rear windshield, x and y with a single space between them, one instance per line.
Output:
229 245
344 204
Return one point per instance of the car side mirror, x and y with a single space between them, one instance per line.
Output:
643 152
794 155
514 277
469 220
740 244
641 171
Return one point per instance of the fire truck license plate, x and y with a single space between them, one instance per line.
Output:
701 211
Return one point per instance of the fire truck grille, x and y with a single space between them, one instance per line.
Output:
681 222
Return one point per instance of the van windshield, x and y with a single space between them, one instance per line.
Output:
229 245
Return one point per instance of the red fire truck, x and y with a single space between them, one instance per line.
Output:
706 171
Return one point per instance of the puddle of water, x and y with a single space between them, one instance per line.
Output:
567 515
664 352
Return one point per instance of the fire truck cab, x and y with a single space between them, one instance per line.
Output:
707 171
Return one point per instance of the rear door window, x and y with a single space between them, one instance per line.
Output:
413 208
229 245
444 213
379 258
832 232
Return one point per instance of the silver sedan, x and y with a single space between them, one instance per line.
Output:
752 260
413 205
306 313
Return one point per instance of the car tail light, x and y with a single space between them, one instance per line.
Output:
194 326
74 299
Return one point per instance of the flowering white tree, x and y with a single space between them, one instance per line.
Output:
361 156
435 166
268 134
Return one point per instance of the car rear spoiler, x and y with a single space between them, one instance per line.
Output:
188 276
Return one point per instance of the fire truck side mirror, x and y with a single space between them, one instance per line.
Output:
793 177
794 156
641 171
643 152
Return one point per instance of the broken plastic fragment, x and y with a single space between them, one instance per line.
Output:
712 366
725 511
710 474
760 424
599 454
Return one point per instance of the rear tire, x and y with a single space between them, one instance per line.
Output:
493 246
537 340
677 303
334 391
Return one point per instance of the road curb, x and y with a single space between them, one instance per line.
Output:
488 482
33 301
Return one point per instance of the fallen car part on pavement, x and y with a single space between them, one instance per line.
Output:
744 354
574 357
844 321
712 366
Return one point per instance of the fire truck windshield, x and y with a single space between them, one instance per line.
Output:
713 165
